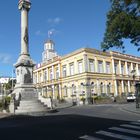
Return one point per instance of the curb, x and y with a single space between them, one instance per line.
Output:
129 109
4 115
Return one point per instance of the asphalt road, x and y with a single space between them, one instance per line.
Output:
67 124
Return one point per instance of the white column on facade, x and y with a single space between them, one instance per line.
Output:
37 80
129 88
115 88
53 74
96 64
59 69
53 93
106 87
137 70
47 71
97 89
122 83
60 91
113 68
131 66
104 66
85 62
126 68
42 76
120 67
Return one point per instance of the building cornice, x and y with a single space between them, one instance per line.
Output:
125 57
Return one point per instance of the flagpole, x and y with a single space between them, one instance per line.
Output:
49 34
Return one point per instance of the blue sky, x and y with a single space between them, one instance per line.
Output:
75 24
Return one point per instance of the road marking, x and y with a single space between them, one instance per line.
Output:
87 137
125 130
130 126
114 135
137 123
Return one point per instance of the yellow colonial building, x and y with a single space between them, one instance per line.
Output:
84 73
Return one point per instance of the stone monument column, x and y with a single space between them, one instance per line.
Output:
24 65
25 94
24 7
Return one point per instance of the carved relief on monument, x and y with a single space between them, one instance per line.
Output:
17 72
28 76
26 36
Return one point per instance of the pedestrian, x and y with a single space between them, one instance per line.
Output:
51 102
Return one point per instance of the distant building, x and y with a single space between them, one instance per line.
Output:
4 80
86 72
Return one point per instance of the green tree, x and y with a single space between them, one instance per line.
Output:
123 22
8 86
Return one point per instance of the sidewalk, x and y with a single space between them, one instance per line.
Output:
131 108
3 115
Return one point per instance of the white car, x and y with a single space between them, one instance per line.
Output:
131 97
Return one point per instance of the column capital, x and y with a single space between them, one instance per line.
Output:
120 67
126 68
24 4
113 68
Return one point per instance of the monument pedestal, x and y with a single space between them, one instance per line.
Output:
26 97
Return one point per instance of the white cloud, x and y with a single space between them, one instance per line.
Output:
5 58
54 21
39 32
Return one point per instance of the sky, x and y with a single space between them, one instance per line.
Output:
75 24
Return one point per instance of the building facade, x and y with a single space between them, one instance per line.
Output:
87 72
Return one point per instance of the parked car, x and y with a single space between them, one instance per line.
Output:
131 97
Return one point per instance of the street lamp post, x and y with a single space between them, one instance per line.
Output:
133 73
137 95
137 89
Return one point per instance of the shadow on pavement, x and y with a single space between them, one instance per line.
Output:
61 127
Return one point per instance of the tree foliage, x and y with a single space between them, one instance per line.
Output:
123 22
8 86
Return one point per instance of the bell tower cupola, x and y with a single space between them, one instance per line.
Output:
49 51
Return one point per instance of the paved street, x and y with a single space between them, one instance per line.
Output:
85 122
